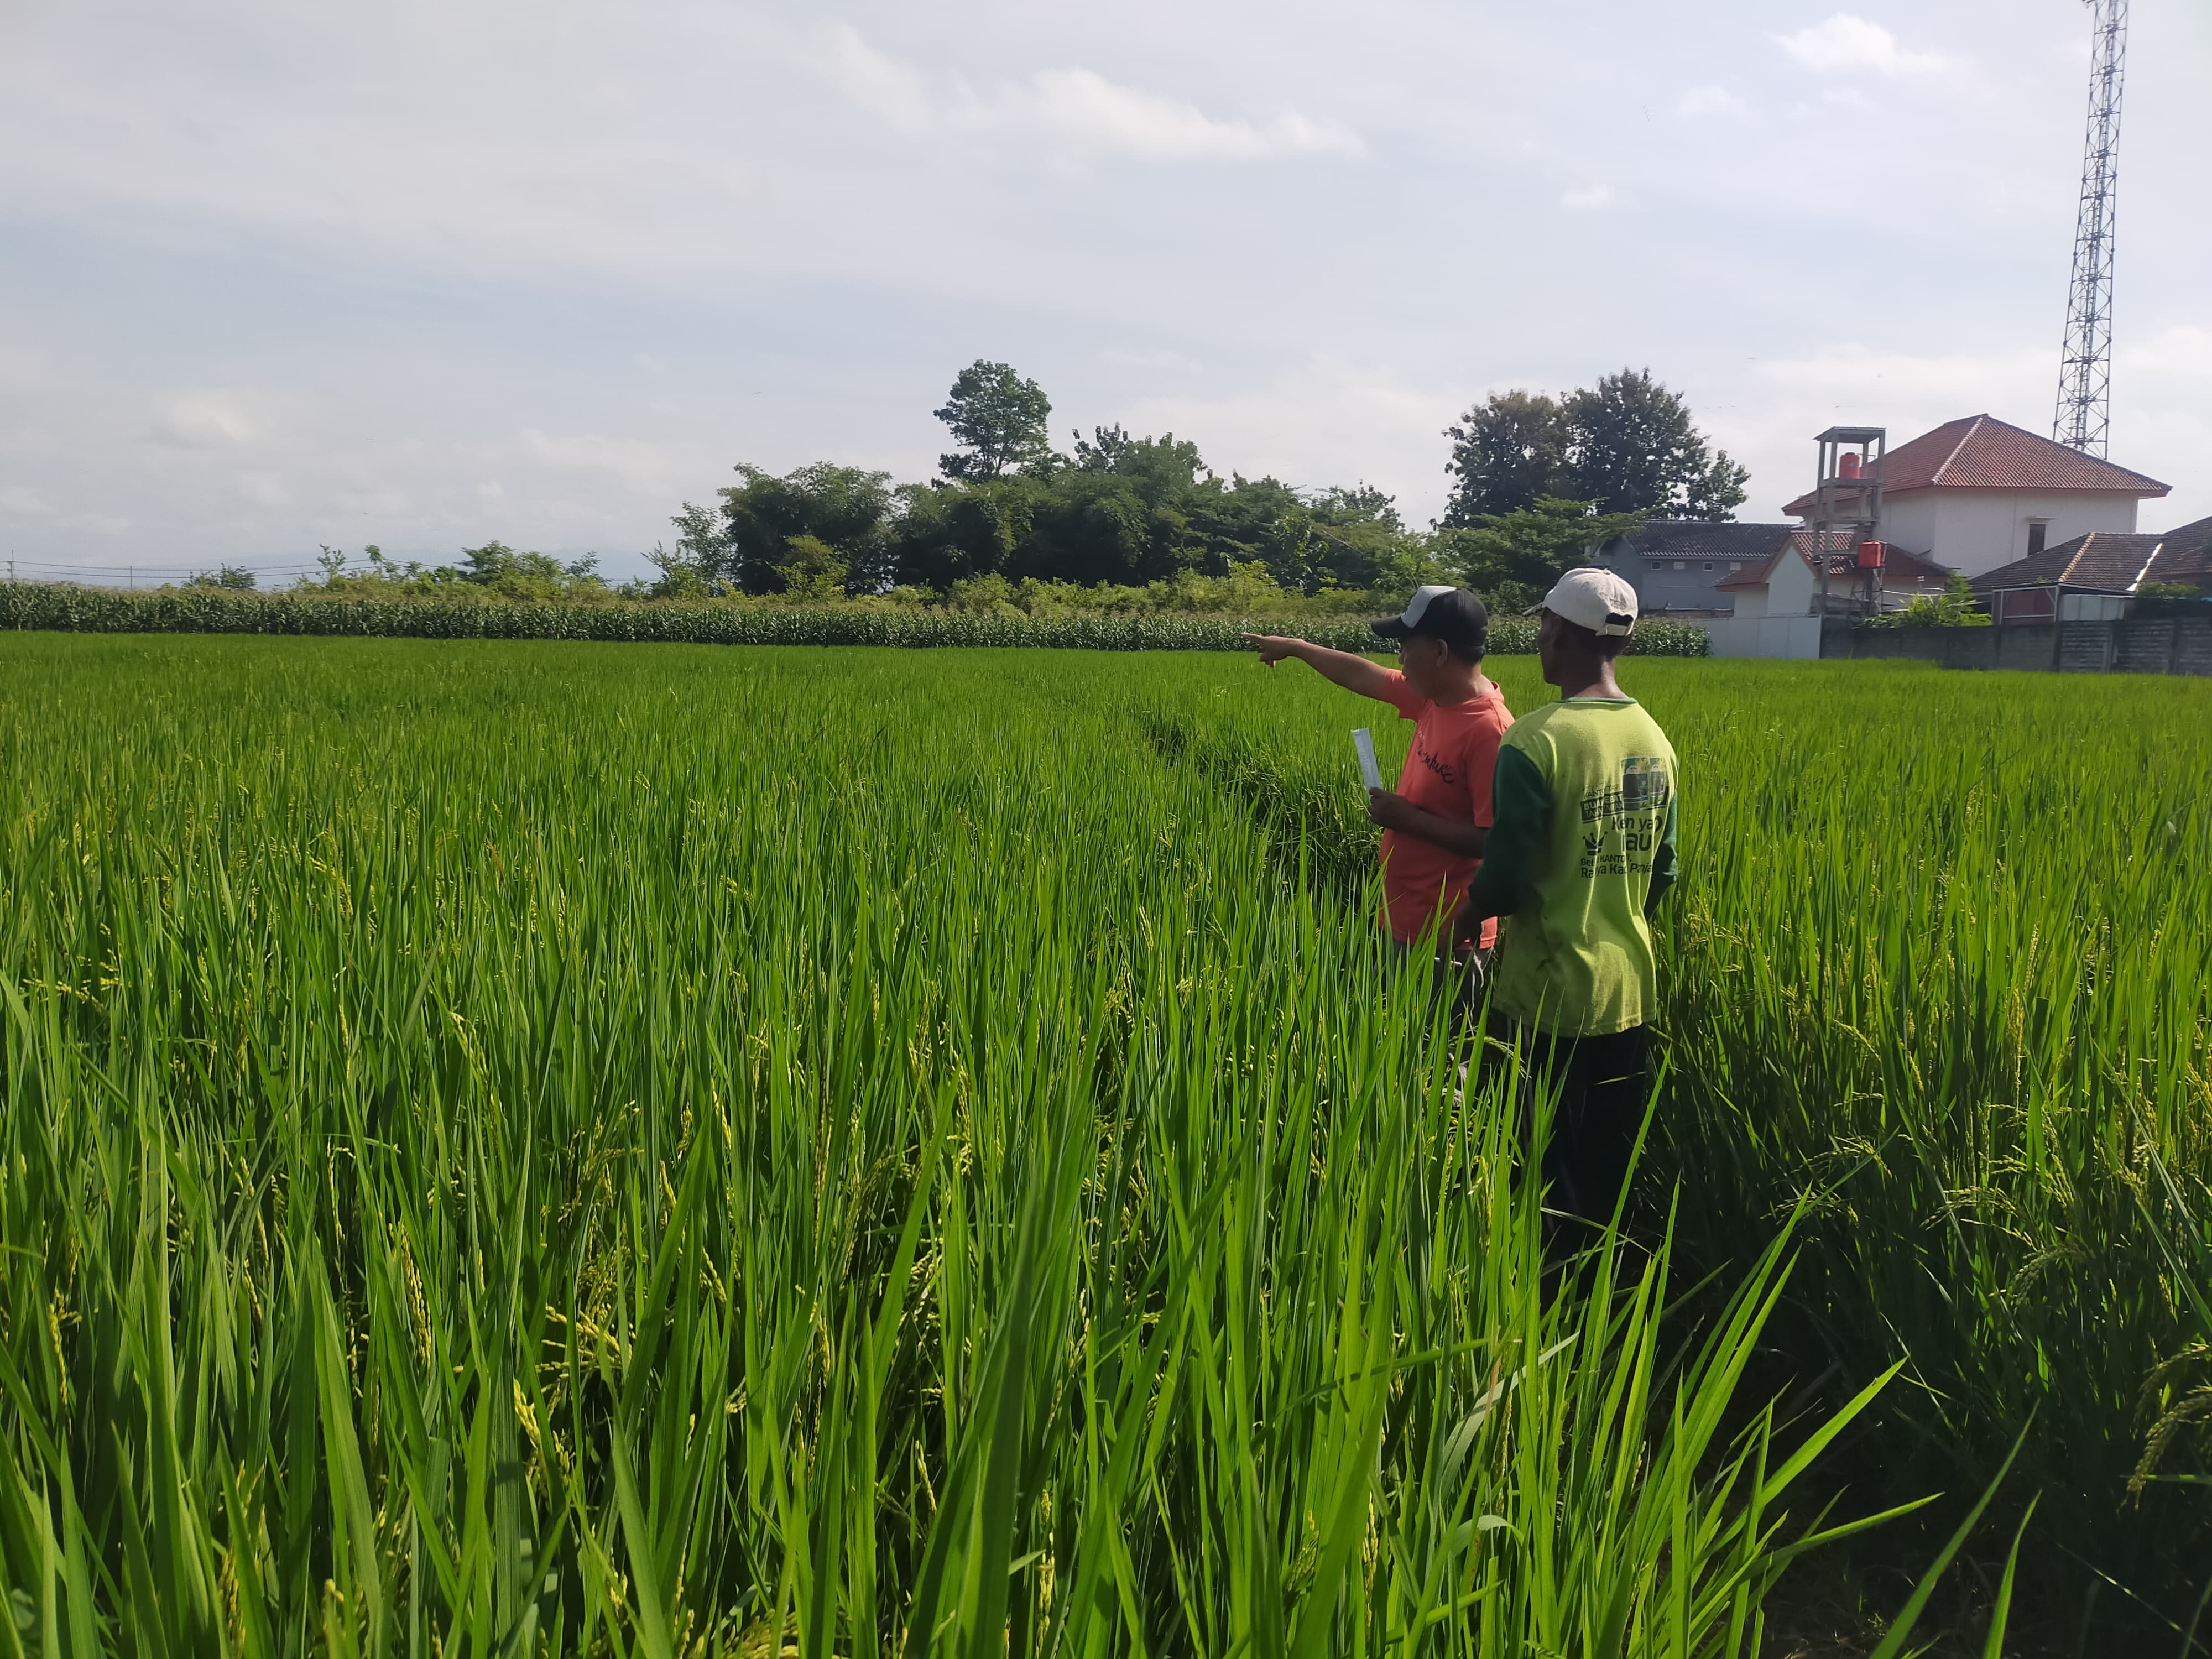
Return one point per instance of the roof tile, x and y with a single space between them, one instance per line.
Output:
2106 559
1899 565
1979 451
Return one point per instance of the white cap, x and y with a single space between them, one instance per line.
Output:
1596 600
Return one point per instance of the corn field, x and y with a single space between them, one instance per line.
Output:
733 622
542 1148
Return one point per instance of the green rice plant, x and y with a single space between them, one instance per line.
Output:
1939 973
548 1149
1952 976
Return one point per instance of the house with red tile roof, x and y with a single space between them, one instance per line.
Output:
1694 569
1789 583
1978 493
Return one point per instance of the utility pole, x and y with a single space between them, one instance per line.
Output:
2083 419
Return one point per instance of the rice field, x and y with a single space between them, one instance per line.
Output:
535 1147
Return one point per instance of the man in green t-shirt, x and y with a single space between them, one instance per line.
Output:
1581 851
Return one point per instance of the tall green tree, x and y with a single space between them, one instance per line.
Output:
236 577
1164 469
521 575
1511 558
1627 444
1507 452
946 533
845 508
1632 447
999 419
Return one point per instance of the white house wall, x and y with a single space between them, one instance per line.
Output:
1975 531
1791 589
1910 522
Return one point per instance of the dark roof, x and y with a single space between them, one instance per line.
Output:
2106 559
1698 538
1980 452
2190 538
1842 550
1755 575
2186 557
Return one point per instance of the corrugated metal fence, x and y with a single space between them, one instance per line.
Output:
2142 645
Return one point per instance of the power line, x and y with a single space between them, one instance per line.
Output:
156 569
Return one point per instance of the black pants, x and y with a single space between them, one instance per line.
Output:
1599 1081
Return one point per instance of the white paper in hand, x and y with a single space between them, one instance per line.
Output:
1365 745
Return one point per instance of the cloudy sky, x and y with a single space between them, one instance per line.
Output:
422 274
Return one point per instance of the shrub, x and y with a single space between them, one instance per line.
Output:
1955 607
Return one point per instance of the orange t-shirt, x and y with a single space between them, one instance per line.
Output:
1448 772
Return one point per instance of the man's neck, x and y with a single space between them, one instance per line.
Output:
1461 687
1597 682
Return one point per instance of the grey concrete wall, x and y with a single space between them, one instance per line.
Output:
2148 644
1669 589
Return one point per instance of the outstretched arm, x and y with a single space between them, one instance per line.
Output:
1353 673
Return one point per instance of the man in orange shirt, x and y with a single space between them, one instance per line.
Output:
1434 825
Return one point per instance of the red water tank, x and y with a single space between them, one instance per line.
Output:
1869 556
1848 467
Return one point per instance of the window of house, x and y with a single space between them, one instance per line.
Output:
1682 564
1709 564
2037 529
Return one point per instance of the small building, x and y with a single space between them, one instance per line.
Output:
1788 583
1675 564
2092 578
1978 493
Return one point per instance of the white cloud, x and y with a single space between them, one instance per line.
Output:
1845 42
644 468
1710 101
1321 420
2000 383
17 499
367 252
1084 112
895 92
1075 111
1589 197
201 422
1156 358
2183 351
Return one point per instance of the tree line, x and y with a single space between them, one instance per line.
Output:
1123 522
1537 480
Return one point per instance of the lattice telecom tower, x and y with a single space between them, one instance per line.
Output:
2085 374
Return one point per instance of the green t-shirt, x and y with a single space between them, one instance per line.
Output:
1582 847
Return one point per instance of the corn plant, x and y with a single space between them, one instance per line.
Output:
95 610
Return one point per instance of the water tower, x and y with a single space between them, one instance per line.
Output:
1847 499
